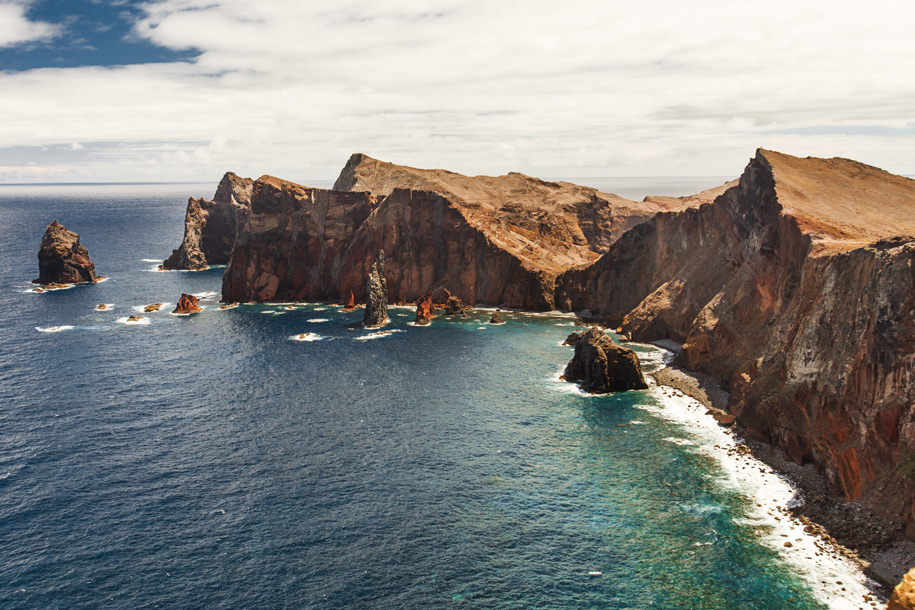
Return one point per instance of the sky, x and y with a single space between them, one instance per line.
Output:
184 90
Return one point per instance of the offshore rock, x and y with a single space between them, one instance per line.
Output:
796 289
496 318
211 226
424 309
188 303
903 597
453 305
62 259
350 302
602 366
376 290
494 240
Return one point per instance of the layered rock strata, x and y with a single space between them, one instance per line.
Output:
376 290
796 289
495 240
211 226
62 259
600 366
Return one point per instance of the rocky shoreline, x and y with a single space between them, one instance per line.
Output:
849 527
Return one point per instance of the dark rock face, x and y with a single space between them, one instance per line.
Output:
62 259
796 290
211 227
376 290
188 303
424 309
573 338
602 366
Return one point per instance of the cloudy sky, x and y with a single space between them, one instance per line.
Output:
120 90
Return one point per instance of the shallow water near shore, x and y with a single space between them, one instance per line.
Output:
223 460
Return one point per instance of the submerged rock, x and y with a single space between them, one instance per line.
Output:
188 303
602 366
376 290
424 309
496 318
153 307
62 259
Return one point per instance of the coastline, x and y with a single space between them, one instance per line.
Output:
846 528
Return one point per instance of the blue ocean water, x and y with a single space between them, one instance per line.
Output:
212 462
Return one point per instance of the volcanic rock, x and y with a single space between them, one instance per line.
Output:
210 227
454 306
376 290
903 597
795 288
495 240
573 338
602 366
153 307
424 309
62 259
134 318
188 303
496 318
350 302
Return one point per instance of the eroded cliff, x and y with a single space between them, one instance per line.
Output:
211 226
795 288
496 240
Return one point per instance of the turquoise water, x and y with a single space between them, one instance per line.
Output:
212 462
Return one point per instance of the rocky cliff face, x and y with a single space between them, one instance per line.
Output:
796 288
601 366
62 259
210 227
497 240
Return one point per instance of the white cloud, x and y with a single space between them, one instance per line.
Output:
578 88
15 28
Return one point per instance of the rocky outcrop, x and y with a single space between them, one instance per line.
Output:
211 226
425 310
453 305
601 366
350 302
496 240
496 318
62 259
903 597
795 288
376 300
188 303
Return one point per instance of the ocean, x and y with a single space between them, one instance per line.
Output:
216 461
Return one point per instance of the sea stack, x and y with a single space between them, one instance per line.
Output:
602 366
376 291
350 302
62 259
188 303
424 309
210 227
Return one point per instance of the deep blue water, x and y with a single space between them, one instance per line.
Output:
211 462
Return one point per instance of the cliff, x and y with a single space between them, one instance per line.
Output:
796 289
497 240
211 226
62 259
